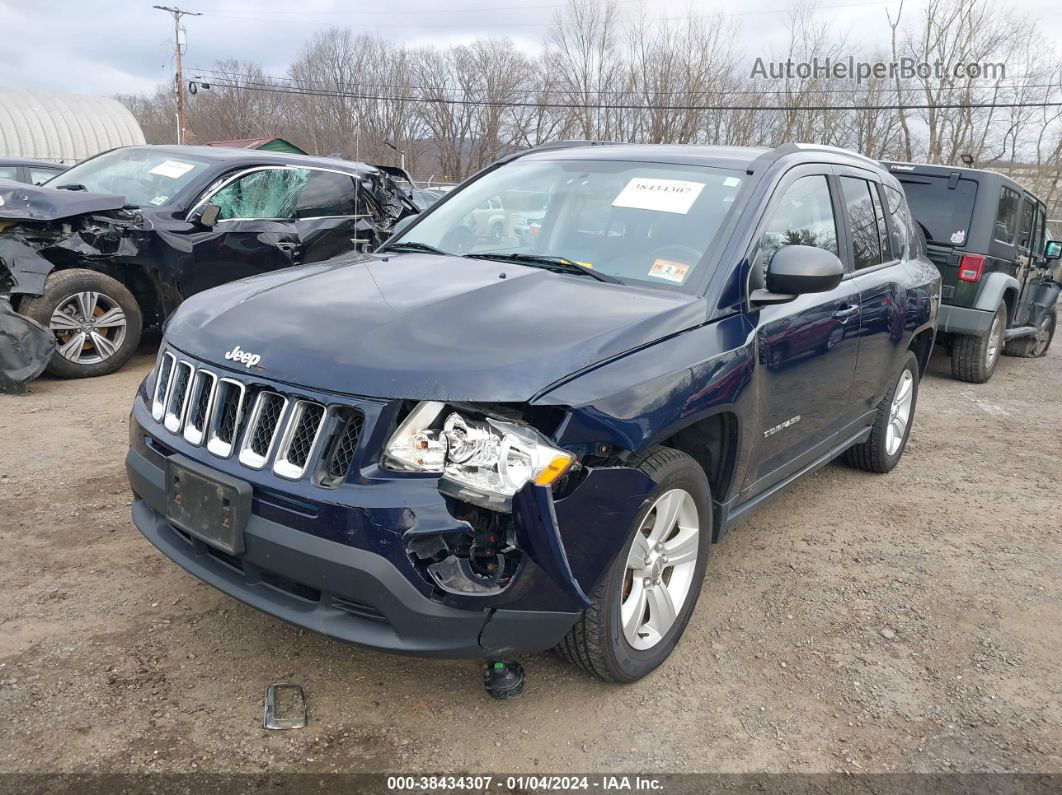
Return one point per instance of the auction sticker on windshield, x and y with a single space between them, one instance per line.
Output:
662 195
172 169
672 271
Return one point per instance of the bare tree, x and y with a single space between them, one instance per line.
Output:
619 73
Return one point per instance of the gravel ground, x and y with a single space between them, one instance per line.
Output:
856 623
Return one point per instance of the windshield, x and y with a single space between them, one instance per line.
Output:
943 212
143 176
643 222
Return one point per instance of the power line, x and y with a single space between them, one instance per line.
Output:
589 106
299 83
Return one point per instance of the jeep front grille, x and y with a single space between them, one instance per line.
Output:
202 393
299 439
292 436
341 451
177 399
262 427
225 417
162 386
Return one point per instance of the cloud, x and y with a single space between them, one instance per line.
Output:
112 46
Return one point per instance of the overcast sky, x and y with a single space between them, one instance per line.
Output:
112 46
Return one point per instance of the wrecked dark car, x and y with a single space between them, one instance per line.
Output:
534 443
115 243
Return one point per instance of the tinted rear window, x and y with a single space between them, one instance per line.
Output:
943 212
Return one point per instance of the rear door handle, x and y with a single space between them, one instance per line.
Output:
846 312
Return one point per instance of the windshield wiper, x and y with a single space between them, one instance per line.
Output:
413 245
550 263
74 186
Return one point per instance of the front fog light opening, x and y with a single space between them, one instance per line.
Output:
481 560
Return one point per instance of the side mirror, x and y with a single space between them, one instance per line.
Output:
795 270
209 216
1053 249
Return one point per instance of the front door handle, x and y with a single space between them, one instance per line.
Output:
846 312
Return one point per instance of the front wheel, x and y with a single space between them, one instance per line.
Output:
1036 345
95 319
892 425
642 604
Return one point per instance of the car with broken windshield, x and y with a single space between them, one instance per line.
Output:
115 243
534 441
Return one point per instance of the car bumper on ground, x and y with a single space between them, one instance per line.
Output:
962 320
345 592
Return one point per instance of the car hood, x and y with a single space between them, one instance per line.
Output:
426 327
22 202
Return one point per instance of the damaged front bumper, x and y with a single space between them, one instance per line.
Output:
346 571
342 591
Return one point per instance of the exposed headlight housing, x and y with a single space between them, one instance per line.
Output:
484 462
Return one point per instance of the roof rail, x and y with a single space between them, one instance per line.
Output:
546 147
786 149
791 148
569 145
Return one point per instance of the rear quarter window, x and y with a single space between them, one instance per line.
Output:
901 220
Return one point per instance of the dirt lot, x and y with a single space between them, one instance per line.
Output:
910 622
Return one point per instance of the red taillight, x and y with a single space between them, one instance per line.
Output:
971 267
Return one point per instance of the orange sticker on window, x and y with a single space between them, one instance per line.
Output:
672 271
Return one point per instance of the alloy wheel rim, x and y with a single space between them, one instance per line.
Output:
660 565
993 342
899 413
89 327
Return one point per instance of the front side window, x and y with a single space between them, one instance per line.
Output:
641 222
804 216
8 172
38 176
326 194
901 220
267 193
1038 231
864 218
1006 216
1026 229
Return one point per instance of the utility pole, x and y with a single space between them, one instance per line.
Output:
179 75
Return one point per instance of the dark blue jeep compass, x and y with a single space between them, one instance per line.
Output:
523 421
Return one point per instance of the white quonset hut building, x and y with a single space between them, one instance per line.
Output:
53 125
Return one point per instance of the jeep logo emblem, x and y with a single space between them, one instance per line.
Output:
246 358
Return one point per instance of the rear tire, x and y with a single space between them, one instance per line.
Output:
882 451
599 643
91 345
1036 345
974 359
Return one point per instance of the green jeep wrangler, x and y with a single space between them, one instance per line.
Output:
986 234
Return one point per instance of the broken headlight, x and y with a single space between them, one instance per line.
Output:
482 461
